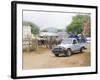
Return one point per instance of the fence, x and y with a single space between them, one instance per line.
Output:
29 44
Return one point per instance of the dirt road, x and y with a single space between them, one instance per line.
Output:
44 58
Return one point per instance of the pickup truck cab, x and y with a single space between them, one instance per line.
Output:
68 46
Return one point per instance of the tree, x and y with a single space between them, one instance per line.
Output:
34 28
76 26
86 26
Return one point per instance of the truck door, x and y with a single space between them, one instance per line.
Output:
75 45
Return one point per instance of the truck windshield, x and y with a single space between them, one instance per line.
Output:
67 41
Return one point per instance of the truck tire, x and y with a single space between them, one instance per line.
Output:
68 52
81 50
56 55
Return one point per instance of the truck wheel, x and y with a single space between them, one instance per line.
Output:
68 52
81 50
56 55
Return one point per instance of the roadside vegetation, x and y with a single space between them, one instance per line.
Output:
78 23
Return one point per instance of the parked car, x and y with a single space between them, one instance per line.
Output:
68 46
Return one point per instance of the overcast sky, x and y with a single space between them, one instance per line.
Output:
48 19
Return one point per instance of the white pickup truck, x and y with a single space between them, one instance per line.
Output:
68 46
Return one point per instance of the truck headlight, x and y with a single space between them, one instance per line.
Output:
63 48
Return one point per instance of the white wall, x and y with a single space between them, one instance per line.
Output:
5 40
27 31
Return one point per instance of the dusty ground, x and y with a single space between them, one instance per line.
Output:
44 58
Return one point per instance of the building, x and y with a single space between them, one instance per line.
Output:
27 36
27 31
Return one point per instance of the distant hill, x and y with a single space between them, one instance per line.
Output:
50 29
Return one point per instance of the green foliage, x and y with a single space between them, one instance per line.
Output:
34 28
76 25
